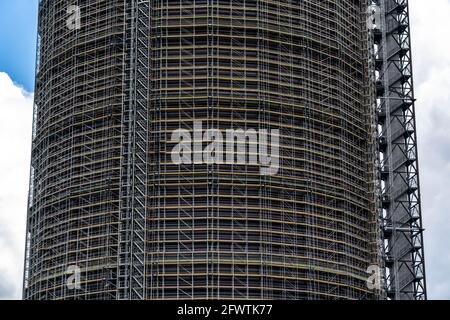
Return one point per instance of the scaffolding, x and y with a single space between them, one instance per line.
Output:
74 204
105 195
225 231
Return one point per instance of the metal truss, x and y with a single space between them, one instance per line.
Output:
133 213
401 217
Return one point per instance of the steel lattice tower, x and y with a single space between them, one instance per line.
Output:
401 216
107 199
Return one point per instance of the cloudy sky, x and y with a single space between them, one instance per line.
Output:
431 54
430 36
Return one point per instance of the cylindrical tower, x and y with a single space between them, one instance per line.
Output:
109 197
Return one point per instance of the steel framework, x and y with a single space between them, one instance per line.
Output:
401 217
106 197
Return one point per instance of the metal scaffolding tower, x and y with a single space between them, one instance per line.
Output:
399 171
133 214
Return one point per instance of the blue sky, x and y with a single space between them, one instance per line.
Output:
18 40
430 32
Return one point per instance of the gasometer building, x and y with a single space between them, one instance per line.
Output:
136 194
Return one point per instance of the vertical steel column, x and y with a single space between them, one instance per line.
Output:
133 215
399 171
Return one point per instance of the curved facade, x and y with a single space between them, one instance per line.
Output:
108 198
77 146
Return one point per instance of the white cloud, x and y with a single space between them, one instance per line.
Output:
15 138
431 48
